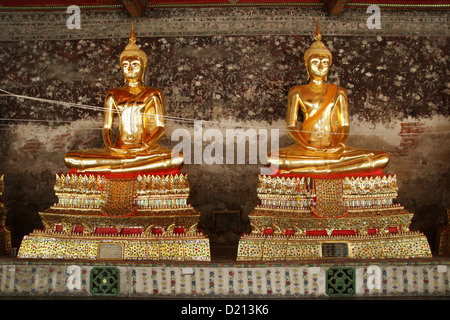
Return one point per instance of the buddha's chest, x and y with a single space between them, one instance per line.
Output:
323 122
131 113
131 124
319 112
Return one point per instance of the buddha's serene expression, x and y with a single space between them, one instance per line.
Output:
132 68
318 65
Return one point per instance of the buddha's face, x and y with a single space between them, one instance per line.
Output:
318 66
132 68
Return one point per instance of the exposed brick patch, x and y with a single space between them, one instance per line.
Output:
410 133
60 141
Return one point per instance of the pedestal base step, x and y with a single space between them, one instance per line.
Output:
50 245
290 248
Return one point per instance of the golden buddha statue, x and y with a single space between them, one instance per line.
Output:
321 144
140 111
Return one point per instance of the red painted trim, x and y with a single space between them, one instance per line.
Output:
130 175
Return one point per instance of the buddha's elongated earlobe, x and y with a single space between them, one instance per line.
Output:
307 72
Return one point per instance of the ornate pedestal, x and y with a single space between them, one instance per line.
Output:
142 216
313 217
5 234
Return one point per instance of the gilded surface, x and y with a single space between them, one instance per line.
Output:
165 219
140 111
321 143
88 191
123 192
300 193
146 202
357 211
329 202
360 224
259 247
328 199
48 245
119 198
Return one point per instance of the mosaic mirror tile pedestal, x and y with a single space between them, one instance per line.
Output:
314 217
139 216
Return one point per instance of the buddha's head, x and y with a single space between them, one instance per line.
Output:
317 58
133 60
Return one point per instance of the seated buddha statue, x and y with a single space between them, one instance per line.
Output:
321 144
140 112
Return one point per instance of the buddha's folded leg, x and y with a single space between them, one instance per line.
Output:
87 159
280 158
351 160
101 160
364 159
158 161
294 156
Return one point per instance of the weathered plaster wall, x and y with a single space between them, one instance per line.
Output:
231 68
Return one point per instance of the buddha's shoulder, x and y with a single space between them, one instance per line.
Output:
301 88
340 91
298 87
150 91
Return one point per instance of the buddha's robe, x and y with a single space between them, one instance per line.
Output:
141 125
320 145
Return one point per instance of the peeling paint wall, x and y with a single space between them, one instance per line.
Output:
235 77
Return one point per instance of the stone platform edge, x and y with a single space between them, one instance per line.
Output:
386 278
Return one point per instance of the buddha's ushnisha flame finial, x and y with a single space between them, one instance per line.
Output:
317 46
317 35
132 49
132 38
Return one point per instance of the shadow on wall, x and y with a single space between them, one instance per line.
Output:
26 193
223 187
